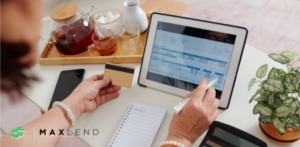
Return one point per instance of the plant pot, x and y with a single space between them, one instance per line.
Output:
270 132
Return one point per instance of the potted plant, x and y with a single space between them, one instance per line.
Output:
277 98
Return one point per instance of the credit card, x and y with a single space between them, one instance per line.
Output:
119 75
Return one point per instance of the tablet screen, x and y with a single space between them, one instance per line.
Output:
182 56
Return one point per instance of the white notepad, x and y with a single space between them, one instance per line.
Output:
138 127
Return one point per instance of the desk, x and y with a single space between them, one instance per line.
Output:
106 117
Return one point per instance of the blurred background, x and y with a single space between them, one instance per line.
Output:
273 25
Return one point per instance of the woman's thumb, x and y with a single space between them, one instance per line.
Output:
103 83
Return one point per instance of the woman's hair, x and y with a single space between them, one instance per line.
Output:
12 76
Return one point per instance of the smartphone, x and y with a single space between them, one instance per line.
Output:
67 81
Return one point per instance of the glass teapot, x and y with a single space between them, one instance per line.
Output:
71 29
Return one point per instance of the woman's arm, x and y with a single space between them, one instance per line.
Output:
201 110
89 94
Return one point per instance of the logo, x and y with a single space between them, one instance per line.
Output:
17 132
77 132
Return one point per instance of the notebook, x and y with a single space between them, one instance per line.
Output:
138 126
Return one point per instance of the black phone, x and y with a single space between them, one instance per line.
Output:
67 81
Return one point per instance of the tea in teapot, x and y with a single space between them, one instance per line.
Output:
72 29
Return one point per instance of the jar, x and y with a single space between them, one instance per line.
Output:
71 29
108 19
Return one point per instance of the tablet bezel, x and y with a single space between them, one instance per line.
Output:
241 36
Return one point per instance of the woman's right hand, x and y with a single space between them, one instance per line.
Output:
91 93
196 117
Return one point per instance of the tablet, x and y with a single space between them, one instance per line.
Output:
180 52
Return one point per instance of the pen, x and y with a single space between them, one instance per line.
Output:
181 105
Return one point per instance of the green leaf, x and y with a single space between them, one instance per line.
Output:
291 122
288 125
265 110
283 96
276 74
283 121
297 73
271 100
279 126
291 82
252 81
252 98
294 104
289 67
279 58
292 119
273 85
257 107
282 72
289 55
264 92
261 91
288 101
296 68
261 98
299 112
262 71
298 59
277 103
284 111
297 102
295 126
266 119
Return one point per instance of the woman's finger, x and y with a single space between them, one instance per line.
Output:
107 97
209 97
102 83
215 115
187 96
98 100
200 91
97 77
214 107
110 89
215 104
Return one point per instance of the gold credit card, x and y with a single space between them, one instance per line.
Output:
119 74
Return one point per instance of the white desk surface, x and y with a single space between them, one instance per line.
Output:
106 117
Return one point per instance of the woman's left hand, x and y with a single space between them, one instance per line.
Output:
90 94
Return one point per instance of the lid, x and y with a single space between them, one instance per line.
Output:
64 11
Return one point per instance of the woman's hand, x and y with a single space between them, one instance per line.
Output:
196 116
90 94
87 96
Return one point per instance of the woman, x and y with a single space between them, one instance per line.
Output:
20 25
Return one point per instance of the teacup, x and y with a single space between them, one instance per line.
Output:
103 47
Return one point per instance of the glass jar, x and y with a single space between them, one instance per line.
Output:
110 19
71 29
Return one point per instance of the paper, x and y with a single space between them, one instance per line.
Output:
119 74
138 127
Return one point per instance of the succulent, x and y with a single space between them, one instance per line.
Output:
277 97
